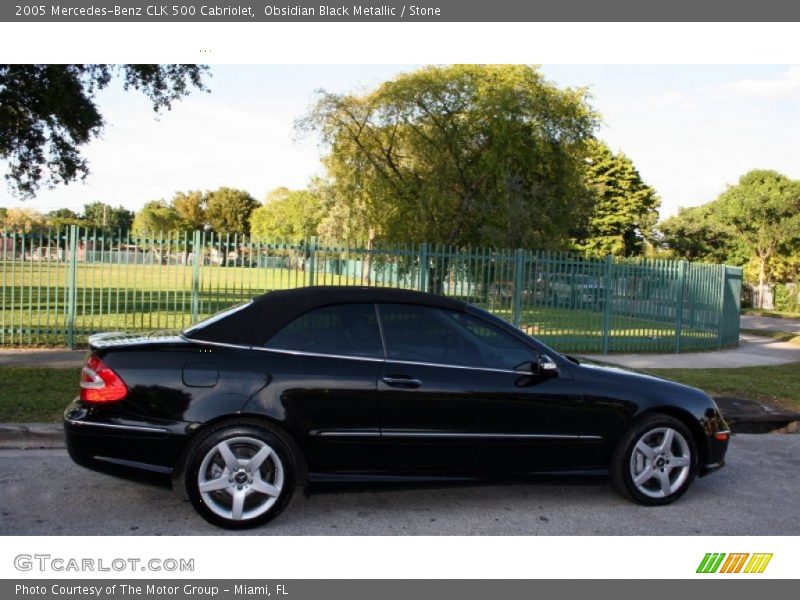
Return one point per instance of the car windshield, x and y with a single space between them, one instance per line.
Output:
216 317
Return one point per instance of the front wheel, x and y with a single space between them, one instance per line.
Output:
240 476
656 461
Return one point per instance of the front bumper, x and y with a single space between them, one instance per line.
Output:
716 449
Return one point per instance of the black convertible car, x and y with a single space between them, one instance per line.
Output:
344 383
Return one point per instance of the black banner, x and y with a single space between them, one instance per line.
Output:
395 11
368 589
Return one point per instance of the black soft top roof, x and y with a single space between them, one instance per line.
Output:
257 322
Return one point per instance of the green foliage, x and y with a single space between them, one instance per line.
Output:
463 154
228 211
764 211
105 217
157 217
21 220
697 234
786 297
625 208
191 208
48 112
755 223
62 217
287 214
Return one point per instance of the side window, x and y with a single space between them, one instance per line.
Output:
425 334
345 329
500 349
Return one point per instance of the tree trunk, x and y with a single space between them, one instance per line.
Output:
365 276
437 274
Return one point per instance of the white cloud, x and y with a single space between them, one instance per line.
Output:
671 100
786 86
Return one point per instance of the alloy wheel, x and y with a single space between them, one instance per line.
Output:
240 478
661 462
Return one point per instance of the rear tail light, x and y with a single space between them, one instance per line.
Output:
99 383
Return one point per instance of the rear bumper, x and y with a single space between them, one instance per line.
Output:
106 443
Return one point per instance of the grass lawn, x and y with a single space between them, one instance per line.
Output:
781 336
776 384
36 395
760 312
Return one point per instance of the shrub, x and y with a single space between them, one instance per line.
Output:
786 297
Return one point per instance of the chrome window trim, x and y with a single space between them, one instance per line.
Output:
318 354
446 366
220 344
115 426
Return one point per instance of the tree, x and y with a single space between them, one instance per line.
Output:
103 216
764 211
191 208
228 210
625 208
48 112
22 220
62 217
156 216
464 154
698 234
292 215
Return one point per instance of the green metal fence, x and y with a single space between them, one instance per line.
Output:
60 286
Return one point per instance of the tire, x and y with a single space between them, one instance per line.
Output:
252 494
647 472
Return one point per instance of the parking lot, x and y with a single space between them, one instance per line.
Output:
43 493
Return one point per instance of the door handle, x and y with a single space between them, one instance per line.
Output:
401 381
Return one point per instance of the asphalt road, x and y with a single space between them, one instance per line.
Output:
43 493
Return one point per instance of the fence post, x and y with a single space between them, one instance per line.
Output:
608 300
679 306
312 260
423 267
198 257
519 271
72 285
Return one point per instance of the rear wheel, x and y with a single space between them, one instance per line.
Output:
656 461
240 476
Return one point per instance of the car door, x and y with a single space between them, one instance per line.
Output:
458 396
326 365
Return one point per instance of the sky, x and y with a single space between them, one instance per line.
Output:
690 129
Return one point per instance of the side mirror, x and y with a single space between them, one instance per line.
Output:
546 365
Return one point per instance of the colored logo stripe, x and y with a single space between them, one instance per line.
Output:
758 563
710 563
733 564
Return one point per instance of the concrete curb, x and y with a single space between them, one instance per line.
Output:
30 436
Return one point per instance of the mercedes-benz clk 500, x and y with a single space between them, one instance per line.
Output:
350 383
